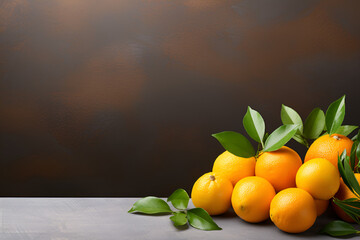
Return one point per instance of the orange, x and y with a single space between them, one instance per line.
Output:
212 192
251 199
234 167
293 210
321 206
318 177
279 167
344 193
329 147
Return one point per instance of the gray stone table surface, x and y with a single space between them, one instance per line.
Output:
107 218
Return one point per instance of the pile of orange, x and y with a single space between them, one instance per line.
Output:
277 185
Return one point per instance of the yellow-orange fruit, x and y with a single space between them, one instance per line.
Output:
293 210
279 167
212 192
319 178
329 147
321 206
234 167
251 199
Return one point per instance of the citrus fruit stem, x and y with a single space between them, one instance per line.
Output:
336 137
212 177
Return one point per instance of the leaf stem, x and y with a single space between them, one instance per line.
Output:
258 150
306 142
258 154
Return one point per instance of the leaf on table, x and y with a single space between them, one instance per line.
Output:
235 143
314 124
280 137
335 115
254 125
339 228
200 219
179 199
150 205
179 218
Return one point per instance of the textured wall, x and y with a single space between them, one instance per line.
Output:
119 98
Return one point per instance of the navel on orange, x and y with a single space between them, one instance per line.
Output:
329 147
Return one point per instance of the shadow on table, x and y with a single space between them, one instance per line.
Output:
182 228
313 232
152 215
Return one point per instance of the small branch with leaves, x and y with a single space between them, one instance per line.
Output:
351 207
196 217
317 123
254 125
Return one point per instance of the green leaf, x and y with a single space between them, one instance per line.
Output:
314 124
290 116
179 199
356 137
179 218
150 205
354 148
343 155
200 219
353 212
335 115
341 161
235 143
300 139
353 202
339 228
351 179
266 136
254 125
347 174
280 137
346 129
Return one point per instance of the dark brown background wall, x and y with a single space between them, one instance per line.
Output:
119 98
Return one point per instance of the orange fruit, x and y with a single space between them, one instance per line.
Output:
293 210
251 199
234 167
318 177
321 206
344 193
279 167
212 192
329 147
